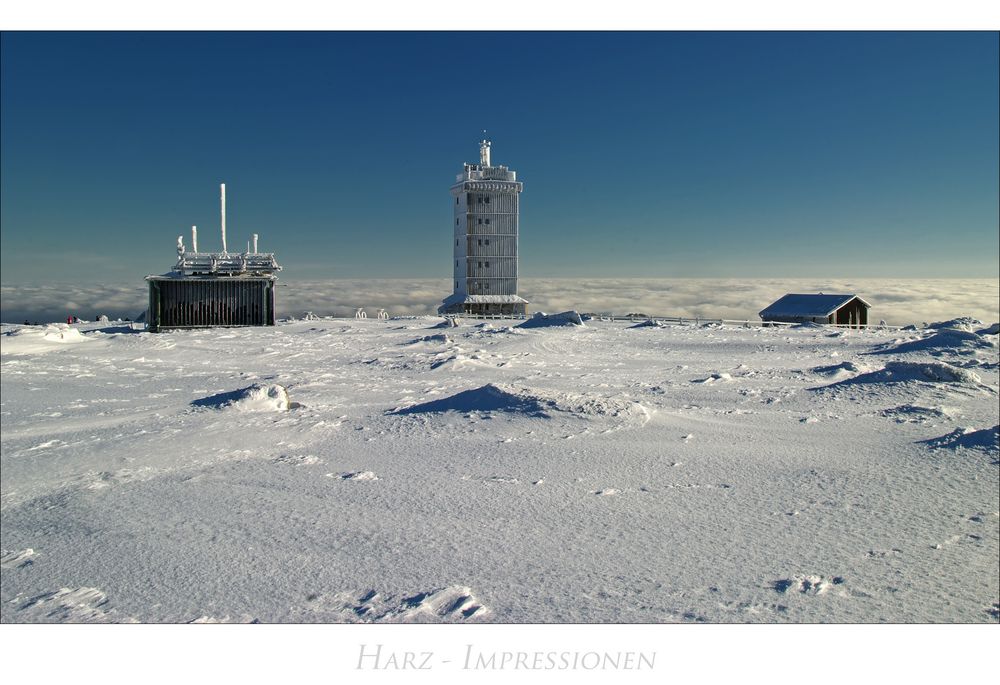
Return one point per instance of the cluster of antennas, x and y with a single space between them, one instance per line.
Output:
193 262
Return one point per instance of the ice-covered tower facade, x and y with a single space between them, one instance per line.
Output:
486 202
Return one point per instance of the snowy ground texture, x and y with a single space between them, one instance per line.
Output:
356 471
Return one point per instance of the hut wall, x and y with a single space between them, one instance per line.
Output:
201 303
853 313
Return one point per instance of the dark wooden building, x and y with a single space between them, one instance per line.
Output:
206 301
847 310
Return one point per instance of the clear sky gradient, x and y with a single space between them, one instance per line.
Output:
839 155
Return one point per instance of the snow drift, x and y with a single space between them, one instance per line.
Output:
986 439
543 320
527 402
904 372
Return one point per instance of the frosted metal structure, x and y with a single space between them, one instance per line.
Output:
208 289
486 201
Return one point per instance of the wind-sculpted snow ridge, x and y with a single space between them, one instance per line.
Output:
990 330
943 341
986 440
255 398
16 558
501 397
904 372
455 604
80 605
543 320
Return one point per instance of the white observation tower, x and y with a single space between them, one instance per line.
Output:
485 240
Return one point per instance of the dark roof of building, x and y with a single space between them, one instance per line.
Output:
817 305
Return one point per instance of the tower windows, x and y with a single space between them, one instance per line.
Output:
487 221
481 221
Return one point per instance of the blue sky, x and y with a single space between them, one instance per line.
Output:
838 155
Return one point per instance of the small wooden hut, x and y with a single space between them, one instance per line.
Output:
848 310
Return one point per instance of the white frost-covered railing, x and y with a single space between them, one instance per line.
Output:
684 320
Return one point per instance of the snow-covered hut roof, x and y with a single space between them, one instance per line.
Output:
808 305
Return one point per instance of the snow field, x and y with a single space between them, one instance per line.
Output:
334 470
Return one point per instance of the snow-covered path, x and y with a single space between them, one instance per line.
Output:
604 473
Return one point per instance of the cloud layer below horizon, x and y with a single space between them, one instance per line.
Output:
897 301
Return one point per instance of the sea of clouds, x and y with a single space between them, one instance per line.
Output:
896 301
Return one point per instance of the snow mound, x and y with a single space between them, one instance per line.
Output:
839 371
447 322
928 372
963 323
437 338
945 339
914 413
528 402
455 604
648 323
543 320
35 339
255 398
991 330
987 440
715 378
